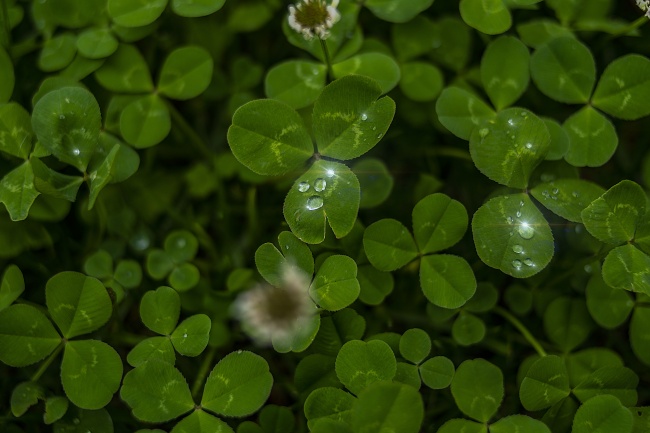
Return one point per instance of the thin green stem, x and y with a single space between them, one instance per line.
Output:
5 26
522 329
190 133
632 26
203 372
24 47
328 62
451 152
47 362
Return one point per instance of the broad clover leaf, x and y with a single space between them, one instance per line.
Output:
270 138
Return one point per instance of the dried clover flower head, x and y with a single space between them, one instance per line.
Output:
314 17
270 313
644 5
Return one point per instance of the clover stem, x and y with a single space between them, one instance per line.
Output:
189 132
5 26
47 362
451 152
522 329
328 62
203 372
632 26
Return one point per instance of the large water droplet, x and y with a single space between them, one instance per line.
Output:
329 172
320 184
529 145
364 116
517 249
529 262
314 202
526 231
76 151
303 186
483 132
516 264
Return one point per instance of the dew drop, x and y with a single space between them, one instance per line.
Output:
524 114
518 249
521 203
364 116
185 335
320 184
510 220
314 202
529 262
588 269
529 145
239 352
61 116
518 214
379 136
512 136
511 122
545 193
303 186
516 264
555 191
76 151
483 132
575 194
329 172
374 128
526 231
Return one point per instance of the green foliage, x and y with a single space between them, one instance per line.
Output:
412 216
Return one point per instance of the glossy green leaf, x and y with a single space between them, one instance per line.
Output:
592 138
145 122
408 374
613 217
17 191
439 222
397 11
153 348
159 264
16 134
519 423
559 140
314 372
567 197
26 335
375 285
639 337
461 111
328 403
196 8
125 71
623 87
378 66
53 183
96 43
181 246
412 39
452 43
477 388
100 176
300 340
191 336
505 85
511 234
388 406
138 13
447 281
57 52
295 82
328 191
12 286
538 32
437 372
91 372
186 73
488 16
462 425
375 180
277 419
628 268
156 392
421 81
24 396
6 71
603 414
55 409
508 148
468 329
274 264
567 323
269 137
618 381
546 383
359 363
608 306
160 310
201 422
348 118
581 365
335 285
78 304
415 345
67 122
389 245
564 70
99 264
238 385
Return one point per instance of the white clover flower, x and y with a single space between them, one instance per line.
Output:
314 18
644 5
269 313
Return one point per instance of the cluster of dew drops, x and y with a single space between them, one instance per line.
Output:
526 232
319 185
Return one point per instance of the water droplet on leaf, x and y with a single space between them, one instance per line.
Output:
575 194
510 220
529 262
483 132
303 186
314 202
517 249
555 191
329 172
516 264
518 214
320 184
76 151
364 116
526 231
61 116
